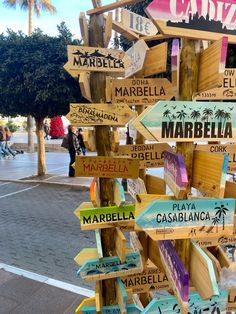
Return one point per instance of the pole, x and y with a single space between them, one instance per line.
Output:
188 86
103 144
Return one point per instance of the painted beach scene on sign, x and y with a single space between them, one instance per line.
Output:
195 19
196 218
186 121
111 267
169 305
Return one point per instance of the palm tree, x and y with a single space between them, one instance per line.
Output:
36 5
221 212
215 222
195 114
227 116
207 112
220 114
181 115
167 114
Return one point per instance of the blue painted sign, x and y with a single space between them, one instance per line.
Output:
198 218
111 267
175 271
183 121
169 305
130 308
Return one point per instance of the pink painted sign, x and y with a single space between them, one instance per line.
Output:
210 16
175 173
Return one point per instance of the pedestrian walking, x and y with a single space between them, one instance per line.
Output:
7 142
46 130
73 148
81 141
3 151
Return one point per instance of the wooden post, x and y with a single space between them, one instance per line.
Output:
103 144
188 86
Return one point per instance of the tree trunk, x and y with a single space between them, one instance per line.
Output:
30 120
103 145
41 147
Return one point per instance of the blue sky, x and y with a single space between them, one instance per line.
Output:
67 11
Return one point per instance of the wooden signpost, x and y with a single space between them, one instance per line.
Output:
140 128
96 59
106 167
137 54
229 149
138 24
110 267
227 91
169 304
186 121
84 83
199 21
149 155
106 217
84 28
99 114
111 6
176 273
141 91
175 174
212 65
184 219
209 173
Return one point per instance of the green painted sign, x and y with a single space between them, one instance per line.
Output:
107 217
183 121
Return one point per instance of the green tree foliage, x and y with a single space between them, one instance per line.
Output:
32 78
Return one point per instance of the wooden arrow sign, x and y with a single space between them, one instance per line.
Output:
175 174
135 92
229 149
99 114
96 59
183 121
112 309
200 21
196 218
149 155
111 6
106 167
138 23
227 91
137 54
106 217
176 273
136 186
166 304
111 267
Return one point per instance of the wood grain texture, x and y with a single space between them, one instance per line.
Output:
111 6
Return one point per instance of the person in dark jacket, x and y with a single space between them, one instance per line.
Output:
73 148
81 141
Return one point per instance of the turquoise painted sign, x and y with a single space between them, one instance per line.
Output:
130 308
169 305
111 267
196 218
183 121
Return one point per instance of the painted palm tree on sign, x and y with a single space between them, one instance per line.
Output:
227 116
220 114
215 222
32 5
221 213
207 113
195 114
181 115
167 114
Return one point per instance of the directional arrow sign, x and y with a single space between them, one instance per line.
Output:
97 59
198 20
106 167
150 155
183 121
138 23
196 218
141 91
99 114
169 304
176 273
111 267
106 217
225 92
